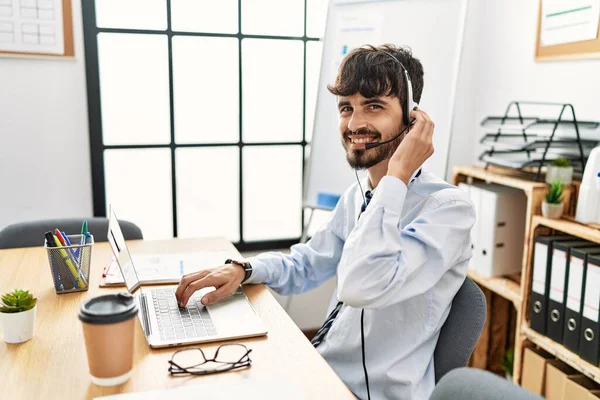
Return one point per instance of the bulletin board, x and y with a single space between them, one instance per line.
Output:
568 30
36 28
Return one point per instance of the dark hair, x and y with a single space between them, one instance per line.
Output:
369 71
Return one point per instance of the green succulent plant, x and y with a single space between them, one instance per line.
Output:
17 301
509 361
562 162
555 192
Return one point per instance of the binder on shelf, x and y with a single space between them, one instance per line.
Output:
576 279
590 327
558 283
542 263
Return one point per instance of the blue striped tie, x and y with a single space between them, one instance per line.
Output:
320 335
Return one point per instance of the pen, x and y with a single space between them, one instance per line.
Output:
69 263
84 231
66 242
82 239
57 281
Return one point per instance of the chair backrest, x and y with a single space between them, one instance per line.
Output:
30 234
461 331
475 384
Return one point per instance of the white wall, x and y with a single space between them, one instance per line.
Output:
498 66
44 144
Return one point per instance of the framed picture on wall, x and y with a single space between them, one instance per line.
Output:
568 30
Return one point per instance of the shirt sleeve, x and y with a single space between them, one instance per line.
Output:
385 263
309 264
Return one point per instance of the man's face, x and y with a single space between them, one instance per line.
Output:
365 120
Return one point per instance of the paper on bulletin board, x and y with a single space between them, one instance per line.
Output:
355 28
569 21
32 26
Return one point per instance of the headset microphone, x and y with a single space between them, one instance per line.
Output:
373 145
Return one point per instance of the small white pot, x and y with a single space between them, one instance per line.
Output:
565 174
552 211
18 327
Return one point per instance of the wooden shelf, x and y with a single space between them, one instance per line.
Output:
583 231
502 286
562 353
504 177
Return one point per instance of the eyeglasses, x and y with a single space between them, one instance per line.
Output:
194 361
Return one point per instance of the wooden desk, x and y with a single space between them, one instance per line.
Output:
53 365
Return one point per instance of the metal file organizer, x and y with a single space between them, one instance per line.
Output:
79 257
529 143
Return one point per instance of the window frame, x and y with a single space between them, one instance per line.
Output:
97 147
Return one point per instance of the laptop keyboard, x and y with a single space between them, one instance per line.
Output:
174 323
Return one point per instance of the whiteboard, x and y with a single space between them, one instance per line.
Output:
433 29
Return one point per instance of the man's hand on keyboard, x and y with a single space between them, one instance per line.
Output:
225 279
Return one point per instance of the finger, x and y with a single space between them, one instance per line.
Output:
195 286
417 116
424 121
218 294
187 279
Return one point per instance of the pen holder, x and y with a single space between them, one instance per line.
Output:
70 265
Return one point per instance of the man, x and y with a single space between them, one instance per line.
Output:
398 263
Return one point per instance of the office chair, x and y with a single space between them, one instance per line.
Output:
476 384
462 328
30 234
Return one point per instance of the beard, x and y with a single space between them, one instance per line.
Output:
363 158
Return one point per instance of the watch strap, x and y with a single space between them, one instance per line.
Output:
245 265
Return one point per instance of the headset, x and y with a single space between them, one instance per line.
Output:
408 105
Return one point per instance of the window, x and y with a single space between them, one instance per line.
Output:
201 113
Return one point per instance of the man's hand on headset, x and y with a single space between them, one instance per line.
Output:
225 279
415 149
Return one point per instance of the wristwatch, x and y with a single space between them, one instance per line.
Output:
245 265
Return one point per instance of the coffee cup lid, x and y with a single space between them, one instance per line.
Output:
108 309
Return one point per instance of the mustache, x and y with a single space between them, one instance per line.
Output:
362 131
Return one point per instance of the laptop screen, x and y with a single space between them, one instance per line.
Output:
121 253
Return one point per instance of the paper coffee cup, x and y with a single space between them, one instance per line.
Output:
108 328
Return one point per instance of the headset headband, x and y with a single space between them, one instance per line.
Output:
409 103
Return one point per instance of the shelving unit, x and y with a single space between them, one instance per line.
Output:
541 225
562 353
513 289
505 287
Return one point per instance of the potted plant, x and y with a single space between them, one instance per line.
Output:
552 207
561 169
17 310
508 363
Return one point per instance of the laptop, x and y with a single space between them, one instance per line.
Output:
165 324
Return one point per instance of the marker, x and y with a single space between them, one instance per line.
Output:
57 281
82 240
69 263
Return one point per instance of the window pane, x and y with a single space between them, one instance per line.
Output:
272 177
138 185
313 68
206 93
272 90
204 16
134 88
316 17
273 17
130 14
208 201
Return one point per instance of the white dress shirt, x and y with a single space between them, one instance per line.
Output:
402 261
